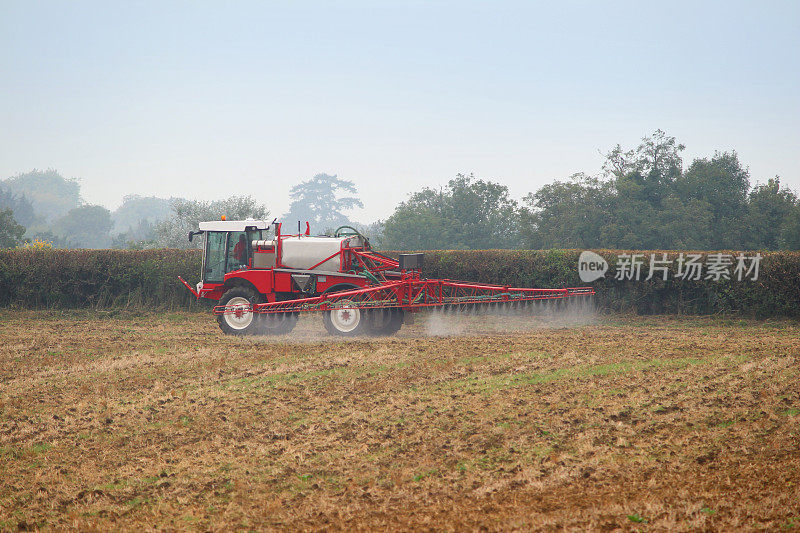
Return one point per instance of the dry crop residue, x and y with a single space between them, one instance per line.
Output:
160 421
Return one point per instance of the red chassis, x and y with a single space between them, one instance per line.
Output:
358 266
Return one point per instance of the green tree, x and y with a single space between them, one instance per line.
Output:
317 201
136 209
10 232
421 223
723 183
643 180
683 225
648 172
631 224
187 214
768 212
51 194
790 230
623 211
650 202
87 226
566 214
19 204
138 237
373 231
466 214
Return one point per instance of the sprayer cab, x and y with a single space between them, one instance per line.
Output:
227 246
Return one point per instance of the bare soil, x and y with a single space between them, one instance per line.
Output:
158 421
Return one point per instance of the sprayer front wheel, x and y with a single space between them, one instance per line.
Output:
345 321
239 318
385 321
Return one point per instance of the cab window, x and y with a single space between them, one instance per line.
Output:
226 252
238 250
214 267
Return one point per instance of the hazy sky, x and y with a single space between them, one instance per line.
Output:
209 99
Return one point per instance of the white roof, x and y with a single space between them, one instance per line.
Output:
233 225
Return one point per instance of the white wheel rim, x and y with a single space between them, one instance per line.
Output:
238 315
346 319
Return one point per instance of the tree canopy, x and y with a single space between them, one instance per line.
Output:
10 232
317 201
646 200
51 194
187 214
465 214
136 211
88 226
772 215
19 204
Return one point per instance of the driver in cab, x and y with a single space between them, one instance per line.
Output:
240 250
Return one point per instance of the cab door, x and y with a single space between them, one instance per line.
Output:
238 255
227 251
214 258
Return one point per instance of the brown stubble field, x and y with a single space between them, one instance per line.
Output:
158 421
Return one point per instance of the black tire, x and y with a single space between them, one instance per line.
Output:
239 324
346 322
277 323
385 321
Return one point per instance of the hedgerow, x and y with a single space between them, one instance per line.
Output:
148 279
97 278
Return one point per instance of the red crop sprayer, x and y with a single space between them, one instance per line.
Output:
262 285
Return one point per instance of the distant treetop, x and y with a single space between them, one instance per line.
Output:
51 194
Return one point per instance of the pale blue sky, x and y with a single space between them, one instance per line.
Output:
209 99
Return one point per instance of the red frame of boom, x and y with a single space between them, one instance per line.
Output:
412 293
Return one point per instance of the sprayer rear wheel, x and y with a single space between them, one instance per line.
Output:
345 321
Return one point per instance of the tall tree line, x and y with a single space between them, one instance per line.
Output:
647 200
644 198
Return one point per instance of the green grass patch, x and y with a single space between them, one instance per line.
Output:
637 519
507 380
138 501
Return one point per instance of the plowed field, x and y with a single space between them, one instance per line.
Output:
133 421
